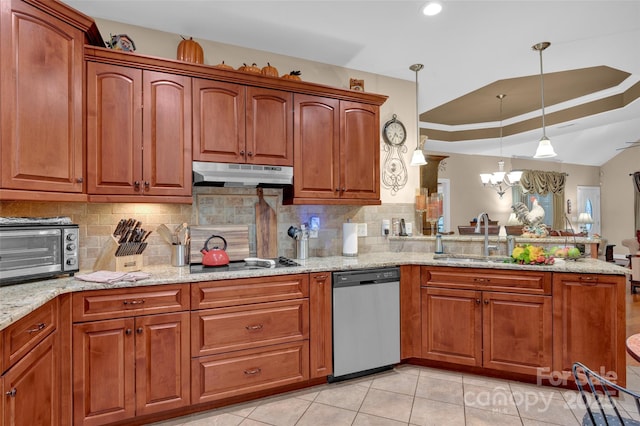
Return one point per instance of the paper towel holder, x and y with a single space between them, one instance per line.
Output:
349 239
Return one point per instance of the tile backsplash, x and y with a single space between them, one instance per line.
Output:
216 206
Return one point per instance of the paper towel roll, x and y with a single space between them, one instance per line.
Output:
349 239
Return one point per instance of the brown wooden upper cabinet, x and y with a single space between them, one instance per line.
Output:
41 102
138 134
234 123
336 152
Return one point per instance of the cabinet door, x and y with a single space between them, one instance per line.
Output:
103 371
452 325
269 127
316 172
41 114
359 151
320 323
218 121
31 388
114 129
162 362
589 323
166 134
517 332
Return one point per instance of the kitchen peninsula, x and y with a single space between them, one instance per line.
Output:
534 328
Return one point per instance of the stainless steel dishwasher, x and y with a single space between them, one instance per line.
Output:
366 321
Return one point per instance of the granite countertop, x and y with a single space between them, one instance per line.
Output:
18 300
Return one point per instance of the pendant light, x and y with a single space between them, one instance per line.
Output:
500 180
418 156
545 149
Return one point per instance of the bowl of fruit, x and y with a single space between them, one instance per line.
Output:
528 254
570 253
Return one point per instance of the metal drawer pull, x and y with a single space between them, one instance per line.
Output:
134 302
127 331
482 280
253 371
478 301
254 327
12 392
486 301
320 277
39 327
139 330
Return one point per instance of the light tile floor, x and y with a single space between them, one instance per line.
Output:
411 395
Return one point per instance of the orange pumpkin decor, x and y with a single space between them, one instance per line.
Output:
250 68
293 75
224 66
270 71
190 51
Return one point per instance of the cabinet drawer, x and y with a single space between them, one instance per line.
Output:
230 329
487 279
23 335
222 376
244 291
119 303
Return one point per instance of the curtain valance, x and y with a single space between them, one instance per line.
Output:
541 182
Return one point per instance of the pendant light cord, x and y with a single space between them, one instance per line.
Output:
544 132
417 111
501 97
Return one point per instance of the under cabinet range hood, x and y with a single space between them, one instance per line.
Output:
228 174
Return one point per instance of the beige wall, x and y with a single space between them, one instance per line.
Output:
617 194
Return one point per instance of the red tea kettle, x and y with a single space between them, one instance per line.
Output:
215 256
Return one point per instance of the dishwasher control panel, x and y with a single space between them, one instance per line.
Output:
366 276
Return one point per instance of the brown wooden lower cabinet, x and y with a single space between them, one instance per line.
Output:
254 334
247 336
222 376
589 324
31 388
321 325
130 366
505 331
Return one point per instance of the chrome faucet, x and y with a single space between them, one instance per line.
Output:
487 247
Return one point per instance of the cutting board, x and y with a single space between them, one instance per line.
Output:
237 237
266 229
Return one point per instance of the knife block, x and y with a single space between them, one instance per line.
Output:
108 261
130 263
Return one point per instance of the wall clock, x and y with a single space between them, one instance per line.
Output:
394 170
394 132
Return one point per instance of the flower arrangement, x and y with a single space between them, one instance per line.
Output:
528 254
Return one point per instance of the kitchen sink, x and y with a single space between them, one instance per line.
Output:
458 259
453 258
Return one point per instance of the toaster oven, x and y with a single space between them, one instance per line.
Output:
37 248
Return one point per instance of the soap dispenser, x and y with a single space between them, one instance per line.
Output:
439 247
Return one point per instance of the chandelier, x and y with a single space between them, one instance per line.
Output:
500 180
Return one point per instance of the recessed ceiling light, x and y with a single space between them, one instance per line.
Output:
432 8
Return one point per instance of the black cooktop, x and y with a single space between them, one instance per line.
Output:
199 268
